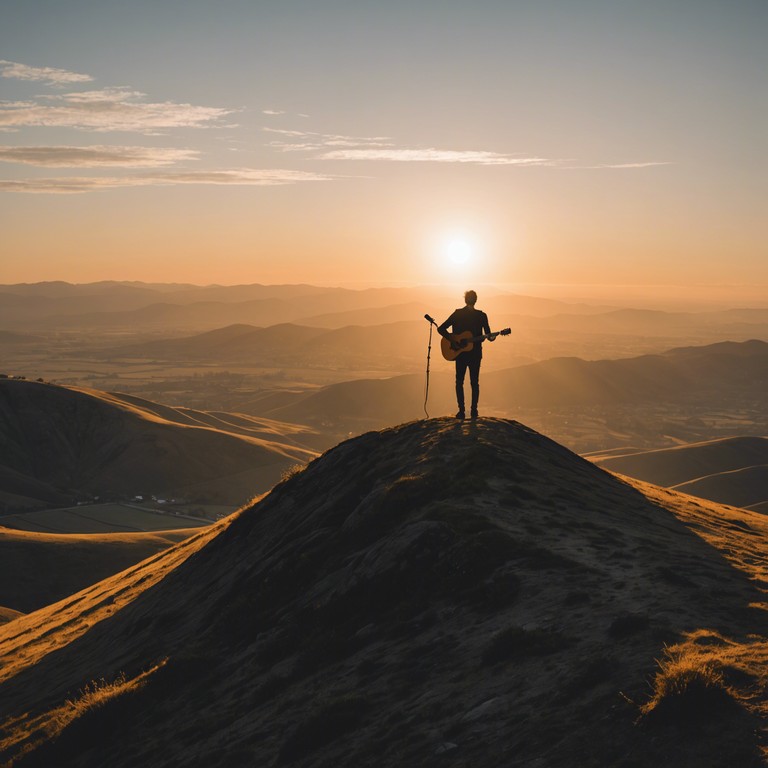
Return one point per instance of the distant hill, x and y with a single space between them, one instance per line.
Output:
65 442
744 487
718 371
145 306
437 593
733 470
391 346
673 466
38 569
738 324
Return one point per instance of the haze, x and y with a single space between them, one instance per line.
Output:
558 144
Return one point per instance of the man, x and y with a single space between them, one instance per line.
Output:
467 318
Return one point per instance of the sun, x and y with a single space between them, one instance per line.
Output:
458 250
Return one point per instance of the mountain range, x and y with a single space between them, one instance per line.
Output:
723 372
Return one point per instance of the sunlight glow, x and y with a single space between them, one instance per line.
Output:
458 250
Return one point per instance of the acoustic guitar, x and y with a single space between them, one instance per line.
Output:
456 343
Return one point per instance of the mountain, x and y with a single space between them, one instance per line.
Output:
71 562
723 373
62 443
438 593
144 306
646 322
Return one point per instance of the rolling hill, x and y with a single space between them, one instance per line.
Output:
391 346
437 593
58 442
673 466
722 372
732 470
38 569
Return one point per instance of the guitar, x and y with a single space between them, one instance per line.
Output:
464 342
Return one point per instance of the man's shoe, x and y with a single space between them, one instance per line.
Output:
460 415
473 414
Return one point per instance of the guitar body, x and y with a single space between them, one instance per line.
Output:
457 343
463 341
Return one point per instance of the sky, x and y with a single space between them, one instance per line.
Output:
561 142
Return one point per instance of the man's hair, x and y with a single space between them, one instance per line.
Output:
470 297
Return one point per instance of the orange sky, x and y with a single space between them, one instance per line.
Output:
355 143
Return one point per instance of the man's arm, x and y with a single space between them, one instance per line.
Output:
487 328
443 329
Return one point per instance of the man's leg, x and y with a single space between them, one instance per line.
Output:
474 380
461 370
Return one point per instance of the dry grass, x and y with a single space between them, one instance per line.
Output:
20 736
709 676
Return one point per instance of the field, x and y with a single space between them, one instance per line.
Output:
103 518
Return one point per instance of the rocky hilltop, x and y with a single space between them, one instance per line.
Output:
440 593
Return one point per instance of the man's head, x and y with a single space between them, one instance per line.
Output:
470 297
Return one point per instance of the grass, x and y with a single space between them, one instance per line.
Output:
26 736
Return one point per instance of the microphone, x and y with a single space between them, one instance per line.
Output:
427 317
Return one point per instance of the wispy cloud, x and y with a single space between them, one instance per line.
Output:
50 75
239 177
109 109
434 156
631 165
273 111
96 156
303 141
333 146
328 146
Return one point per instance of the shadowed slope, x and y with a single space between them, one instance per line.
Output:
672 466
71 562
80 442
439 593
745 487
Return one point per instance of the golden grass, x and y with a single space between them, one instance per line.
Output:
26 733
710 659
27 639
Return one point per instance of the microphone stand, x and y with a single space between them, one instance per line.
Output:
429 355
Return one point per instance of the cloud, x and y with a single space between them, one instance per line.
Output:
329 146
334 146
50 75
434 156
272 112
634 165
95 156
319 141
109 109
239 177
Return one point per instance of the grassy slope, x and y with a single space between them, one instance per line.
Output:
71 562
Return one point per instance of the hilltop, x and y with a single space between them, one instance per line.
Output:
440 593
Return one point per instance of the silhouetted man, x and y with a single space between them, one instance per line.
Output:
467 318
